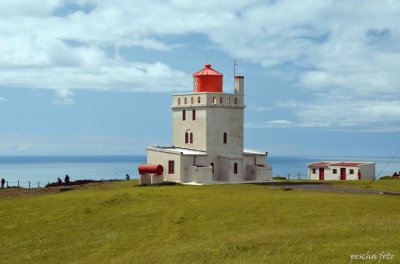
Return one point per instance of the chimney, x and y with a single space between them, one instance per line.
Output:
239 85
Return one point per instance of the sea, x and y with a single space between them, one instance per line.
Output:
37 171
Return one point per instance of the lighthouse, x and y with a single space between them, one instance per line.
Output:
207 143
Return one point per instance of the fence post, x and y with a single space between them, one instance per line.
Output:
7 184
38 185
299 176
288 176
18 184
29 184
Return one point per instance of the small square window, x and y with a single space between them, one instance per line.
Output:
334 171
314 171
351 171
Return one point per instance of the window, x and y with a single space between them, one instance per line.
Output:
235 168
351 171
212 167
191 138
214 100
192 100
220 100
198 100
179 101
186 137
228 100
236 100
184 115
194 114
334 171
314 171
185 100
171 167
225 138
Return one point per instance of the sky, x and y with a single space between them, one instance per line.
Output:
322 78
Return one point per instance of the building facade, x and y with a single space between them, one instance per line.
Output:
346 170
208 131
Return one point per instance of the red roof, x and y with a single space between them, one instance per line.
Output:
338 164
347 164
207 70
319 164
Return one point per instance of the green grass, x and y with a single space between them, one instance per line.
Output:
122 223
383 185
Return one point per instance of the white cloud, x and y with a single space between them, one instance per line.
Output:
338 48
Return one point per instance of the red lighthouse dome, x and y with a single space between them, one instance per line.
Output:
207 80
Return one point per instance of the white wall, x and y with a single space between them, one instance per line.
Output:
213 118
162 158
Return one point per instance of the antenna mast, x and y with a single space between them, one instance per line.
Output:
234 68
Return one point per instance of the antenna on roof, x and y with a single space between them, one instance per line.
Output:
234 68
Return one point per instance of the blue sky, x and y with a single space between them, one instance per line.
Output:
96 77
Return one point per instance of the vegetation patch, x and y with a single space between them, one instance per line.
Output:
117 222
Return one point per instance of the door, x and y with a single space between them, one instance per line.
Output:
321 174
343 174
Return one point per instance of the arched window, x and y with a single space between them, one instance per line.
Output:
220 100
185 100
192 100
186 137
184 115
194 114
236 100
235 168
198 100
212 167
228 100
191 138
225 138
179 101
214 100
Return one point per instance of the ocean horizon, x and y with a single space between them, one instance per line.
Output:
41 170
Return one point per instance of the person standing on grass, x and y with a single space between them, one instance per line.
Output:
2 183
66 179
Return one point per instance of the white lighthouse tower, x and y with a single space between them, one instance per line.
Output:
207 137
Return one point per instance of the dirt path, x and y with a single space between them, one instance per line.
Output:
319 186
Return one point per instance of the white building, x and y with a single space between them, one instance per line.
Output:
207 143
345 170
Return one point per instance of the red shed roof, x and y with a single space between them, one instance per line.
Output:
319 164
347 164
207 70
335 163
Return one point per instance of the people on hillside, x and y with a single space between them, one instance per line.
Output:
127 176
66 180
395 174
59 181
2 183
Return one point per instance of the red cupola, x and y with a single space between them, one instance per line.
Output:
207 80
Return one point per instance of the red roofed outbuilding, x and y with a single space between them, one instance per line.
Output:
343 170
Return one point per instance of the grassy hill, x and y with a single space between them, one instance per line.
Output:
120 222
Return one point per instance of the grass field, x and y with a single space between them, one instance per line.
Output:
120 222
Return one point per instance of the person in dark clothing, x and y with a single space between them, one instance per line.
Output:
66 179
2 183
59 181
127 176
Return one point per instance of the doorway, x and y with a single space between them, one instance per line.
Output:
343 174
321 174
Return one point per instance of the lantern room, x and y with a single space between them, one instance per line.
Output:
207 80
